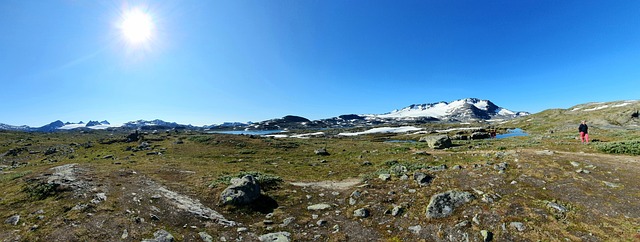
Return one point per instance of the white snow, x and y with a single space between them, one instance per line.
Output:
504 111
438 110
456 129
299 136
596 108
384 130
620 105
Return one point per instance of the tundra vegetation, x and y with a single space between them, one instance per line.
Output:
101 186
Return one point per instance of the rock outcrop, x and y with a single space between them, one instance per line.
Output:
443 204
242 191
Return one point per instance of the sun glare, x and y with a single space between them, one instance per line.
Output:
137 26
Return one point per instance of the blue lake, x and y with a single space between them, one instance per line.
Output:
512 133
247 132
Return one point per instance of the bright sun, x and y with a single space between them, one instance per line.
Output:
137 26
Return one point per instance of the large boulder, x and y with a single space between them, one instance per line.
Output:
160 236
242 191
437 142
275 237
443 204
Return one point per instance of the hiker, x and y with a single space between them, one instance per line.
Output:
584 133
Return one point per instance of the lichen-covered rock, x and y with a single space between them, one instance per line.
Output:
242 191
160 236
437 142
443 204
275 237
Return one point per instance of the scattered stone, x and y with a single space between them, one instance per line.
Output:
242 191
384 177
107 157
415 229
320 206
205 237
99 197
501 166
443 204
275 237
13 220
423 179
50 150
353 198
462 224
287 221
557 207
321 151
486 235
125 234
404 177
457 167
160 236
321 222
361 213
518 226
437 142
367 163
397 210
242 229
583 171
575 164
611 184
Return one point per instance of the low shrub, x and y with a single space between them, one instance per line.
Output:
630 147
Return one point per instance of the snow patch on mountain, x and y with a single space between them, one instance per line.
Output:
458 108
384 130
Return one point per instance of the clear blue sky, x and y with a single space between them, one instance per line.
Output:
213 61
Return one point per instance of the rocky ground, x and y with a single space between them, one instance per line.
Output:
159 189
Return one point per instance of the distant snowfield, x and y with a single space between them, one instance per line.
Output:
300 136
604 106
384 130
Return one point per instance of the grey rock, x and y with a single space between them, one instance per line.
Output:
583 171
422 179
611 184
575 164
501 166
486 235
321 151
384 177
442 205
361 213
160 236
367 163
415 229
13 220
242 191
319 206
321 222
557 207
404 177
205 237
397 210
437 142
99 197
287 221
275 237
457 167
193 206
518 226
462 224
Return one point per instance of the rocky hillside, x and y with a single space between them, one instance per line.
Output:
605 115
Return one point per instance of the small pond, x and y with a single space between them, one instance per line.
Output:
512 133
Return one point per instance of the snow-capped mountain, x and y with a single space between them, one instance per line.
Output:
459 110
463 110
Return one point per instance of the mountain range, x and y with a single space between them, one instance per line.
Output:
463 110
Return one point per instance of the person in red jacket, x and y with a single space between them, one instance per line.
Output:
584 132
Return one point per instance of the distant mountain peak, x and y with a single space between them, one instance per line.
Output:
462 110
